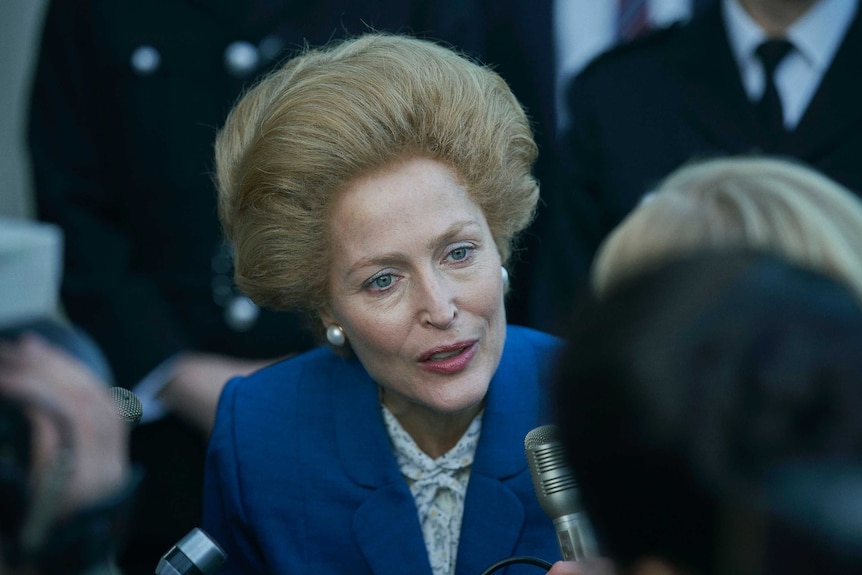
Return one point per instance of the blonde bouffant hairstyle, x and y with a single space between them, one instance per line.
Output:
772 205
332 115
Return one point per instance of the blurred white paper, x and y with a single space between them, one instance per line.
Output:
30 270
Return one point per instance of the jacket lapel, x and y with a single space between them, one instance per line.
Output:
385 526
835 108
714 100
492 524
493 514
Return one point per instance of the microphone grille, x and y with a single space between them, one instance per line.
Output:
540 436
128 405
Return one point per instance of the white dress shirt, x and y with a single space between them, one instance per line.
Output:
816 37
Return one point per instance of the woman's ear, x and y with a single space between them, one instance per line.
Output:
326 316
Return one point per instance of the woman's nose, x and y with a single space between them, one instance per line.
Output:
437 306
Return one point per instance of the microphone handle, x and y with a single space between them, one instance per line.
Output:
575 537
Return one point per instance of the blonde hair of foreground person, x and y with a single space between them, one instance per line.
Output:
765 204
332 115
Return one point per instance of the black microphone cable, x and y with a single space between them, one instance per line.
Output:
522 559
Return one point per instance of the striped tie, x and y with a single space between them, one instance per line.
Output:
632 19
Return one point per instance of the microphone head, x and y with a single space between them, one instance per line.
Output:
540 436
128 405
554 482
557 492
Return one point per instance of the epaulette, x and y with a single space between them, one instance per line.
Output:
653 37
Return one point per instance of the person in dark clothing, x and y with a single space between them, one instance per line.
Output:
696 91
709 408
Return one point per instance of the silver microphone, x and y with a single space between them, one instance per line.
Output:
557 492
128 405
196 554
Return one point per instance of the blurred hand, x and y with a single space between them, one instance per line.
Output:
196 384
61 389
589 566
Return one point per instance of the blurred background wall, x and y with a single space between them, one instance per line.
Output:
20 24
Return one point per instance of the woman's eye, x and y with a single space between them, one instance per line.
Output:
381 282
460 254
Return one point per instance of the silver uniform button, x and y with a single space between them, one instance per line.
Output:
146 60
241 58
241 313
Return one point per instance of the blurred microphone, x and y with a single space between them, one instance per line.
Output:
195 554
128 405
558 493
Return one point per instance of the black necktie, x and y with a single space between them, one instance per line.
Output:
771 53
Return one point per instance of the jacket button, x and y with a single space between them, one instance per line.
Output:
146 60
241 59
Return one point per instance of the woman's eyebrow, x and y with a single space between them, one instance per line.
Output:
452 231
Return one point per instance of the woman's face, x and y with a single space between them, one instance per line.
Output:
416 285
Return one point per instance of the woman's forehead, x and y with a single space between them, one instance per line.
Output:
411 207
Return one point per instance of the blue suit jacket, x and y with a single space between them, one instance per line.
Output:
301 477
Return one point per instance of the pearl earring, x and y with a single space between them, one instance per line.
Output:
335 335
505 274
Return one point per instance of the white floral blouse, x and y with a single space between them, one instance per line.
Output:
438 487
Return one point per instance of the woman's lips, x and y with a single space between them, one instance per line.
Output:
449 359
